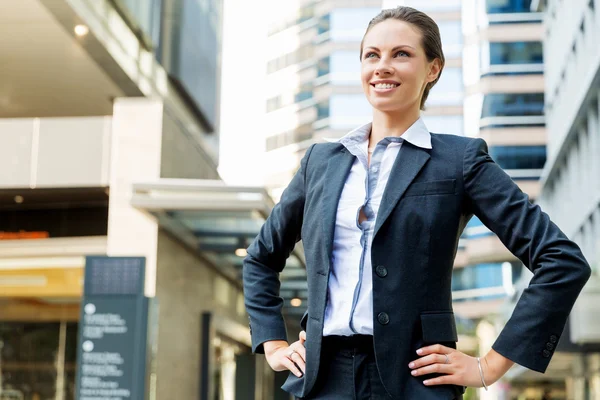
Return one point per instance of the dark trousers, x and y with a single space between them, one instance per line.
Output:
348 371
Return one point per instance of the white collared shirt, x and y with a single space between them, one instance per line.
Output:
349 307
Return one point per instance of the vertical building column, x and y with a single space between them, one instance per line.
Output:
135 156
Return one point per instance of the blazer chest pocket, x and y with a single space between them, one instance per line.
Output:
444 186
439 327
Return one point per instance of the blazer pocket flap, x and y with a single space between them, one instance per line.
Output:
444 186
439 327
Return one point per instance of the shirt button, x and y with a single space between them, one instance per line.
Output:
381 271
549 346
553 339
375 169
383 318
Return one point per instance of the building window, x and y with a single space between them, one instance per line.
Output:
324 24
323 110
298 135
512 104
297 56
323 66
303 14
477 277
519 157
516 53
476 229
508 6
482 276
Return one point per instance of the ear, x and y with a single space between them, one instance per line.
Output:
435 67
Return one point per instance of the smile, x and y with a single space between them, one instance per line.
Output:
385 87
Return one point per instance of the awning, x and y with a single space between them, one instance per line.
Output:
219 222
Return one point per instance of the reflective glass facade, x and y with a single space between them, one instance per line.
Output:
516 53
194 41
519 157
512 104
486 275
508 6
476 229
146 15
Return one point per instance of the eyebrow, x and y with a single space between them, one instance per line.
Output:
394 49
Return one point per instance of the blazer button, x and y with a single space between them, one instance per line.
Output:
553 339
383 318
381 271
549 346
546 353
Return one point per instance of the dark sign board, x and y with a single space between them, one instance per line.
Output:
111 353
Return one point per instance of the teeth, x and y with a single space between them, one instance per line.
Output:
385 86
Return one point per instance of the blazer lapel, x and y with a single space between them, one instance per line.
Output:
408 163
338 167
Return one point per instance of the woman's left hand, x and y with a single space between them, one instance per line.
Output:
459 368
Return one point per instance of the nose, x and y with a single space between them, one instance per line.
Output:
383 67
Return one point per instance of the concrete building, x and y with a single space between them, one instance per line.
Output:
108 146
571 177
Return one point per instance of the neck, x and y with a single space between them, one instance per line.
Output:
395 123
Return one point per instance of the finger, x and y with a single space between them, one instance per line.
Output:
433 369
299 361
302 351
442 380
289 364
302 337
426 360
436 348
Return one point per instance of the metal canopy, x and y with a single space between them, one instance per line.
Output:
219 222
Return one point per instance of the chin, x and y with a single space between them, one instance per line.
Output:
388 106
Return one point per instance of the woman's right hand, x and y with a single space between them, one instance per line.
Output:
282 356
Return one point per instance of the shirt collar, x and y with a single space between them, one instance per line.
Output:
417 134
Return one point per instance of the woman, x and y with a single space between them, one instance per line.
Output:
380 213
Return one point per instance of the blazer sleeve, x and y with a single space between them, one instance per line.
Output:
559 269
266 258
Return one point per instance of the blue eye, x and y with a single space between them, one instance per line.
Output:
368 55
403 53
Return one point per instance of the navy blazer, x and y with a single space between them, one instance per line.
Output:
430 196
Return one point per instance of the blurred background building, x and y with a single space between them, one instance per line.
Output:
109 143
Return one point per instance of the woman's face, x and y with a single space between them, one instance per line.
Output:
394 67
